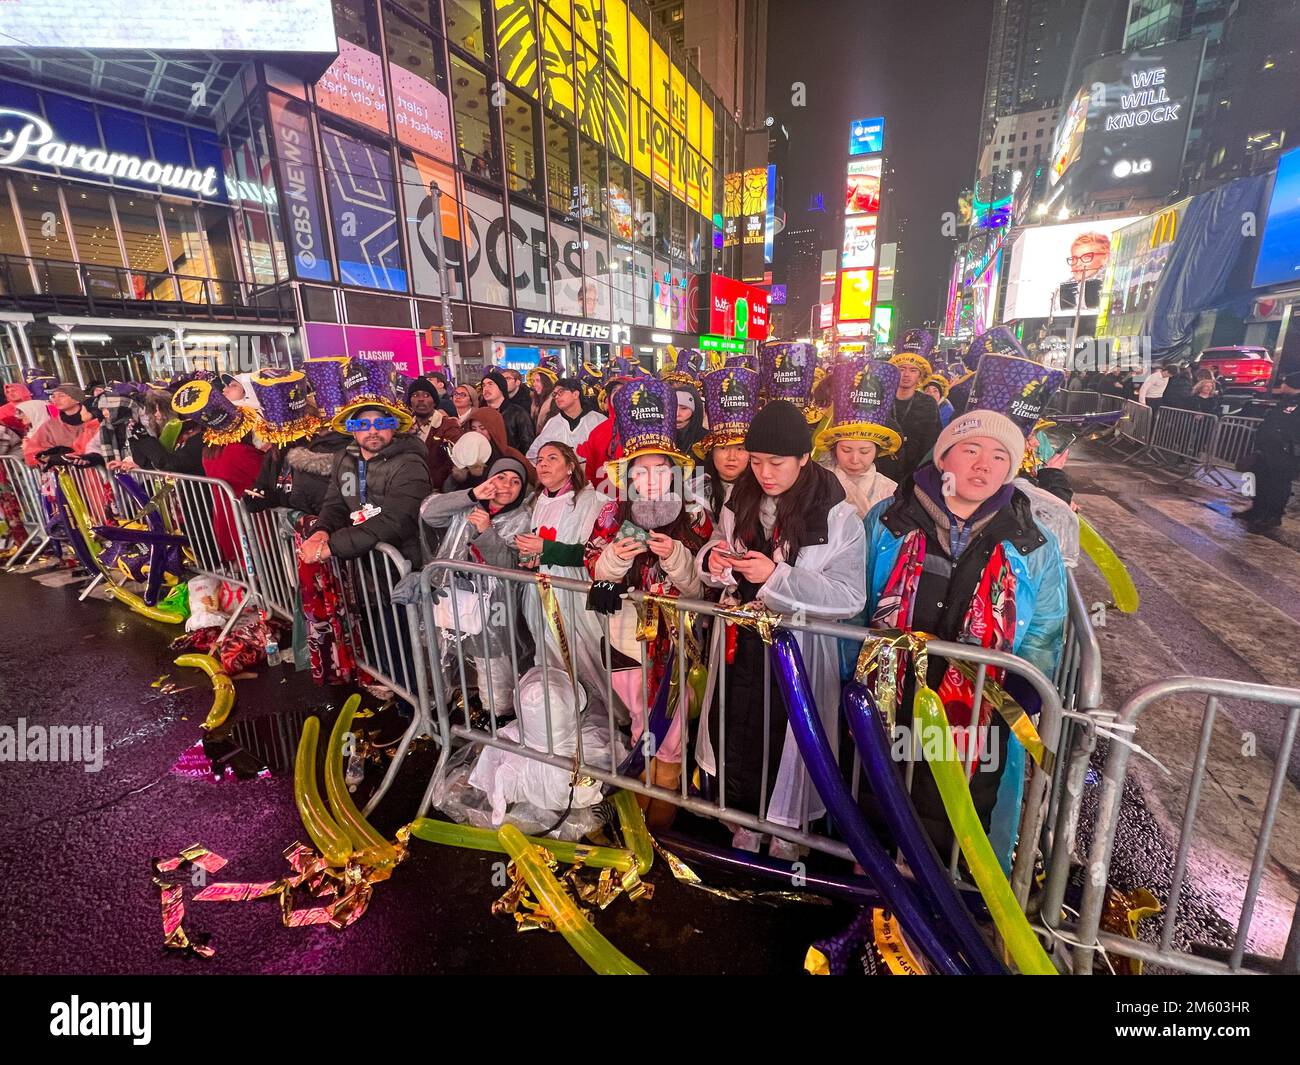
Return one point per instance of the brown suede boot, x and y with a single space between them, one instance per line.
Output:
658 813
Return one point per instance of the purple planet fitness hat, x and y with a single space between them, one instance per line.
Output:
369 383
862 405
788 371
283 398
730 402
325 375
1014 387
686 368
645 413
223 422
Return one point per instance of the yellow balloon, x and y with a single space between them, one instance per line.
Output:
1122 588
330 840
950 777
604 958
484 839
374 849
635 835
223 690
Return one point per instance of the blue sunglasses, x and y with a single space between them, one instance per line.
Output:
356 425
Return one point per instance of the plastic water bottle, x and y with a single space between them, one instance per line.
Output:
272 651
355 772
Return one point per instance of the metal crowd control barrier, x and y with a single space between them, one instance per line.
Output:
271 539
1179 438
215 525
1133 428
448 671
386 643
1087 930
24 482
1233 440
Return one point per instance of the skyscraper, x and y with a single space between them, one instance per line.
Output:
727 41
1029 51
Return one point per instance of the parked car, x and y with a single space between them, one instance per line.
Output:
1239 368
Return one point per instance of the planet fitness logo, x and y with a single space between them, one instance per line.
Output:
867 392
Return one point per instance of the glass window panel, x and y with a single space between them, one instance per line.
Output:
677 241
485 248
360 183
10 240
419 174
474 135
619 200
642 209
590 87
170 144
415 49
465 25
566 269
215 227
595 294
643 288
42 215
531 250
593 181
92 227
519 122
425 10
137 217
663 225
620 283
517 44
557 60
352 23
561 168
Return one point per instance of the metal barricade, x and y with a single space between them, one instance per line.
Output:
215 526
271 539
1133 430
1180 437
1087 932
449 671
24 482
1079 680
1233 441
386 643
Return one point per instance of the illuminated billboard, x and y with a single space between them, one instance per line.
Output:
856 288
1045 257
1126 133
1279 250
867 136
168 26
734 309
859 241
640 104
1138 255
862 187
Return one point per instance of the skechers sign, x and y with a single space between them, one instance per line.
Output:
536 325
28 138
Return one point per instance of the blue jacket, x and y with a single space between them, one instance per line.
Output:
1034 555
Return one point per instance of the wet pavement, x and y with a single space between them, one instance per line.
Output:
76 847
1216 601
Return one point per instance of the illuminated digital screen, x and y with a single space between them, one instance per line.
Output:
859 241
862 187
165 25
856 287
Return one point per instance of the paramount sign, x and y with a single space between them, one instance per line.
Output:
31 137
537 325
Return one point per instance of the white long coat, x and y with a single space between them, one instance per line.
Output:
827 582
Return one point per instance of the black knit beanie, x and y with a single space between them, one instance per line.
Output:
420 384
499 379
779 429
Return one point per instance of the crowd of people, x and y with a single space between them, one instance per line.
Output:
890 493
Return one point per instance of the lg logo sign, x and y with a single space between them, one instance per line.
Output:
1131 167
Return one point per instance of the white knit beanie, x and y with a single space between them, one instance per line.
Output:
984 423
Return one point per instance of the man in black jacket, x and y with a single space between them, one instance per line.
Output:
375 491
1276 462
520 429
916 416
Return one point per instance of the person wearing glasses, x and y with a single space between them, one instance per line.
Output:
379 481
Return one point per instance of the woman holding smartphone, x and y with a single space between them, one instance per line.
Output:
788 538
647 540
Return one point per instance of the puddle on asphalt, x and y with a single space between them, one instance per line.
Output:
250 748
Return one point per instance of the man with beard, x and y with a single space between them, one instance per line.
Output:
376 488
520 429
434 426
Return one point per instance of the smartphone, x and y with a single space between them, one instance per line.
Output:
733 555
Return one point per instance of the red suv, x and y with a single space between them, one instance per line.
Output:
1238 369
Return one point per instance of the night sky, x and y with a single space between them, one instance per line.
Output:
921 64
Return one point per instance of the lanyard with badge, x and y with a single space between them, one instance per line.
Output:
367 510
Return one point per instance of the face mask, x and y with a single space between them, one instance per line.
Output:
656 513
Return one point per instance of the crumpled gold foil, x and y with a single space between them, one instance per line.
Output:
1120 916
880 663
173 916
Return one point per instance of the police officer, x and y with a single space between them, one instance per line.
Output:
1276 462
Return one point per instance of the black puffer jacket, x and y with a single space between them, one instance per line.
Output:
397 480
297 476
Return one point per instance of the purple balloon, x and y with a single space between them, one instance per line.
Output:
153 537
900 898
933 882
